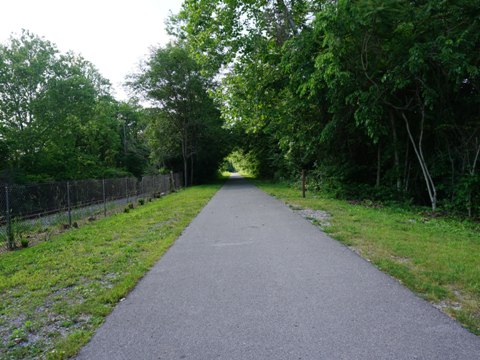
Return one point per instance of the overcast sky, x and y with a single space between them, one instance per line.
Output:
112 34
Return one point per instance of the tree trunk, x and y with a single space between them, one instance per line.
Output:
191 169
406 171
469 203
452 177
432 192
303 183
472 174
396 158
407 177
379 158
185 164
283 7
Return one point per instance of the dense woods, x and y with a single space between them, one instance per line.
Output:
375 99
59 120
185 125
378 99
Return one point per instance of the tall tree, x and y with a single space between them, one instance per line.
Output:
367 92
27 64
186 117
57 117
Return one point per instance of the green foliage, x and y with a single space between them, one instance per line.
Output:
58 119
227 166
241 162
377 96
184 129
133 154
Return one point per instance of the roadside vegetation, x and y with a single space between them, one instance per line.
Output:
367 96
54 295
389 114
60 121
436 257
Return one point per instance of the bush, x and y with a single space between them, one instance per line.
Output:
24 242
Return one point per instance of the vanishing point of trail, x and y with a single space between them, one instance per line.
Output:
249 279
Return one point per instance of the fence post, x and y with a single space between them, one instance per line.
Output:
10 239
172 182
69 207
104 198
137 191
303 183
126 188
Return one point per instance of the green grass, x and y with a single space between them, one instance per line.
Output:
437 258
54 295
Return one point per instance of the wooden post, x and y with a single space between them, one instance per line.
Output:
303 183
69 206
104 198
10 239
172 182
126 188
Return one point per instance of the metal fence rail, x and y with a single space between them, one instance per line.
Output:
27 209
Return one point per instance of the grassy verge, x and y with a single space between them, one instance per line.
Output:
436 258
54 295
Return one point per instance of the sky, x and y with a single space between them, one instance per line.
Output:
114 35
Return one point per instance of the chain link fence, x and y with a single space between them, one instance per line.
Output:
33 213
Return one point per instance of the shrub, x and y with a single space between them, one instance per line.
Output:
24 242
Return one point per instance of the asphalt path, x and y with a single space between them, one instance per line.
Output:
250 279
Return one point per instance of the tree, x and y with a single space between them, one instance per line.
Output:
186 120
58 119
134 152
26 67
242 43
368 92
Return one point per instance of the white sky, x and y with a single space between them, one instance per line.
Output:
112 34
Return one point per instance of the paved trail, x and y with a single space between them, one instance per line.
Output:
249 279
